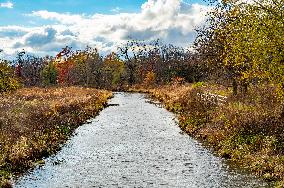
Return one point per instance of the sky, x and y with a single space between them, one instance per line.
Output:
44 27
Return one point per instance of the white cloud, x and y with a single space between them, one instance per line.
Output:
116 9
172 21
7 5
67 19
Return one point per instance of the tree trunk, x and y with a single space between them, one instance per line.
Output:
235 87
282 106
244 87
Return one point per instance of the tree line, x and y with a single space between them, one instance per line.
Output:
136 62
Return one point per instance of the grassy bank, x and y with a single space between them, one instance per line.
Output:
35 122
246 129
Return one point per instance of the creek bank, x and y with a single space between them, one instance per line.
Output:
247 130
36 122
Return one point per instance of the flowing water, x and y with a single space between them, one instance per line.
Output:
134 143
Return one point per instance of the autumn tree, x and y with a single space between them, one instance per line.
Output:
241 40
113 71
64 65
49 74
28 68
87 66
8 81
131 53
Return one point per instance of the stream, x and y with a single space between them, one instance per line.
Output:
134 143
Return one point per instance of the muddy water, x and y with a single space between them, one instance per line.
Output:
134 144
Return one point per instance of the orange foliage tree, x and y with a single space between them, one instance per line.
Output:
64 65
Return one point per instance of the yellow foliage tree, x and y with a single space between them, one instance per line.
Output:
8 81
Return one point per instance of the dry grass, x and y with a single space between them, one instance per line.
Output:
247 129
34 122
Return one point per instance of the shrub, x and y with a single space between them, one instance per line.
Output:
150 79
8 81
49 74
178 80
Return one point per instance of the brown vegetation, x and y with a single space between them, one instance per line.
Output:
34 122
247 129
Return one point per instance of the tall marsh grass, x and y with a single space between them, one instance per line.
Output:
247 129
34 122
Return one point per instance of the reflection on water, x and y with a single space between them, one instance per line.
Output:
134 143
